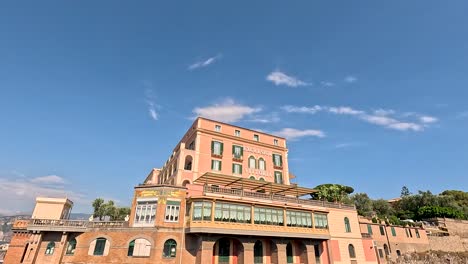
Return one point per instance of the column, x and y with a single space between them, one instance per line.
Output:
281 246
310 252
206 249
248 252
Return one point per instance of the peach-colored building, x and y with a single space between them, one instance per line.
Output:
223 196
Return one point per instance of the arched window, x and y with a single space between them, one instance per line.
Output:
352 252
71 247
261 164
252 177
398 252
289 253
99 247
258 252
139 247
188 163
170 247
252 163
385 247
184 183
50 248
261 179
347 225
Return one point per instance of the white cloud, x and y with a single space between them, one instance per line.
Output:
380 117
226 111
22 192
346 145
462 115
280 78
327 84
204 63
49 179
350 79
344 110
265 118
152 106
428 119
293 134
302 109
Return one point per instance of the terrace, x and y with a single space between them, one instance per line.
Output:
71 225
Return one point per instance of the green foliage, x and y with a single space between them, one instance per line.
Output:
382 208
363 204
437 211
332 192
405 192
109 209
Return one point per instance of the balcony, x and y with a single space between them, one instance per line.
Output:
72 225
217 227
20 224
272 197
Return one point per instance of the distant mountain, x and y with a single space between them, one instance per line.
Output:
79 216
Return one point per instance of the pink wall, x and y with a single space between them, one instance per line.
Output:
335 247
369 250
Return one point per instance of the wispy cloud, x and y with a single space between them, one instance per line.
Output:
49 179
294 134
380 117
150 99
281 78
462 115
21 192
226 111
350 79
327 84
346 145
264 118
204 63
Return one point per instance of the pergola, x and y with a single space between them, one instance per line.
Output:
253 185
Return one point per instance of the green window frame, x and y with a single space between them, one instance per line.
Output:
382 230
213 165
393 231
277 160
71 246
217 150
237 151
50 248
369 229
237 169
131 247
347 225
100 246
278 177
170 248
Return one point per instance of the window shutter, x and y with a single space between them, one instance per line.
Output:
274 159
212 164
212 147
220 163
233 149
233 166
222 144
242 151
281 160
240 172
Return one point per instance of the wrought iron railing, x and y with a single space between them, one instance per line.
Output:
273 197
84 224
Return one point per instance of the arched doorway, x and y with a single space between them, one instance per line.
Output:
289 253
228 251
258 252
188 162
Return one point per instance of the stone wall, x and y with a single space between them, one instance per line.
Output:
448 243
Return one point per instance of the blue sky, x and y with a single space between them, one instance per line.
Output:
93 94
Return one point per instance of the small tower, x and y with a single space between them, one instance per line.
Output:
52 208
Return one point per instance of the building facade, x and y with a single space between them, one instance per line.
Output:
224 196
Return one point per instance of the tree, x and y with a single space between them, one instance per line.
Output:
382 208
332 192
109 209
405 192
363 204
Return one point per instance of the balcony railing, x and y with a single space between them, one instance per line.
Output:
63 224
366 235
20 224
273 197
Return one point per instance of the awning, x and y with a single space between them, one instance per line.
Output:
253 185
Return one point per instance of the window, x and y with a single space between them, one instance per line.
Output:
216 148
202 211
237 133
139 247
261 179
169 250
352 252
261 164
145 212
268 216
347 225
172 211
236 168
369 229
71 247
275 142
398 252
299 219
100 246
224 247
320 221
417 233
227 212
380 253
393 231
382 230
50 248
256 138
278 177
192 145
258 252
237 152
406 230
277 160
216 165
252 163
289 253
217 128
386 250
410 234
